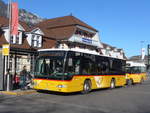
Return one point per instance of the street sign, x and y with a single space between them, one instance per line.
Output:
5 49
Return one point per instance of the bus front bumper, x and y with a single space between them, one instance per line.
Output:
51 86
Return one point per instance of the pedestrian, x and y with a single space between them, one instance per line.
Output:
23 78
16 80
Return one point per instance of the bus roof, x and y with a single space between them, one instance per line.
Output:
77 50
133 63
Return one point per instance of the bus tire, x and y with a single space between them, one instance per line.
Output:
112 84
86 87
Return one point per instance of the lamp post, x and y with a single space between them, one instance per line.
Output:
9 35
142 50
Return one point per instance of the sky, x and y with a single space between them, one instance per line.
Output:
121 23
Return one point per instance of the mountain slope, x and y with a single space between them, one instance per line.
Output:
24 15
3 8
29 17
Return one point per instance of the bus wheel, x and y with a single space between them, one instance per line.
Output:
86 87
112 84
130 82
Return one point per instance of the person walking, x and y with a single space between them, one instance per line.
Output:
23 78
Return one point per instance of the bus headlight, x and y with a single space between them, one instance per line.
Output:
61 86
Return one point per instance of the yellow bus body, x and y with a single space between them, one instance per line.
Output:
77 82
136 78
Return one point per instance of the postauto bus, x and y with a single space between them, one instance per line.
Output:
68 70
135 72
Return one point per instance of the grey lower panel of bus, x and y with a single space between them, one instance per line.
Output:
1 72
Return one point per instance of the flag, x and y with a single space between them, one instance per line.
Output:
14 22
143 53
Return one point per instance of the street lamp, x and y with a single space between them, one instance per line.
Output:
142 51
9 35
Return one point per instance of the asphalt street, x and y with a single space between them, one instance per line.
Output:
133 99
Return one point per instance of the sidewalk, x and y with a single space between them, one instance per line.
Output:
18 92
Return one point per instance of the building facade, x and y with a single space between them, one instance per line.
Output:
63 32
23 48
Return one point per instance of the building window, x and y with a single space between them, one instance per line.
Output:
36 41
84 34
33 39
11 39
16 39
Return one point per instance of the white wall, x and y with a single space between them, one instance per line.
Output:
6 34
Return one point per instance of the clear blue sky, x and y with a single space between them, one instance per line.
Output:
121 23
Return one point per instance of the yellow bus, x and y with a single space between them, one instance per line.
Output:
135 72
68 70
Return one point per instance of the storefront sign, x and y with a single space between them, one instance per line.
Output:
86 40
5 49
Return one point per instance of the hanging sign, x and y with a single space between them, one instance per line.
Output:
5 49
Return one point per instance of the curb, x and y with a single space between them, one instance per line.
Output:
17 93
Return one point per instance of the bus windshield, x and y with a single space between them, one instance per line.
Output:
136 69
50 65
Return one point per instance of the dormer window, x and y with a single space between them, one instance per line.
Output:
36 40
16 39
11 39
33 40
84 34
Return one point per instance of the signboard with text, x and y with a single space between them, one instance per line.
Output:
84 40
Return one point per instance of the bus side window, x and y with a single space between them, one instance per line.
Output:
70 63
100 65
99 68
89 65
105 67
73 63
85 68
70 68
